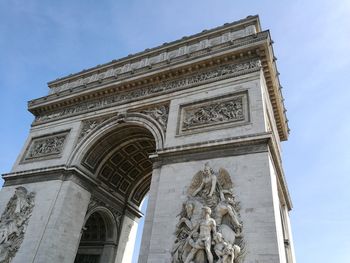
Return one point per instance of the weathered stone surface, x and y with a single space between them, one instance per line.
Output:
149 123
14 222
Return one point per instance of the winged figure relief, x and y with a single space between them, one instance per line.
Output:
210 201
203 181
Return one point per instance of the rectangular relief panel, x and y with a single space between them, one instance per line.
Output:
45 147
214 113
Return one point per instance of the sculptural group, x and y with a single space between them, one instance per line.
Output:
209 228
13 223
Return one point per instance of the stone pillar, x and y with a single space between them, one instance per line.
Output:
53 230
289 244
148 225
127 240
252 179
108 253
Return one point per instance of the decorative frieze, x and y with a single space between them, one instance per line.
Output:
230 109
215 74
14 222
50 146
235 38
209 228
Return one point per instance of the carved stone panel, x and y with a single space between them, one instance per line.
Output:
13 223
44 147
208 114
209 227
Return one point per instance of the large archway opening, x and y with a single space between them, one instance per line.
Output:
119 161
93 239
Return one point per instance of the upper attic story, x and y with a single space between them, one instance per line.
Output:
238 41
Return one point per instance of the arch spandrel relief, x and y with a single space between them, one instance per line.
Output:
209 227
14 222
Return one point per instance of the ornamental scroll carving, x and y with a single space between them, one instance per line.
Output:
13 223
222 72
219 111
47 146
209 229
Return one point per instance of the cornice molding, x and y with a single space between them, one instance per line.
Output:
196 53
250 144
102 78
109 100
168 51
73 174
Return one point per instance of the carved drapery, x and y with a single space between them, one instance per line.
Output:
13 223
209 227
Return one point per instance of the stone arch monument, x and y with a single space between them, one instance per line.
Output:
196 123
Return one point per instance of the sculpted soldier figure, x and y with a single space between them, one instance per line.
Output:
13 222
183 229
206 237
13 216
205 227
225 251
225 207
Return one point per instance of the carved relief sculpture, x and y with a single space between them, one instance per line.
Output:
209 229
47 146
225 71
13 223
232 110
88 126
223 110
160 114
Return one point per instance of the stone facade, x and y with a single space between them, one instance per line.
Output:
196 124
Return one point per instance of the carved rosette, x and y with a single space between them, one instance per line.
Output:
13 223
209 227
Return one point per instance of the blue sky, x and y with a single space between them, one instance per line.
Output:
43 40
